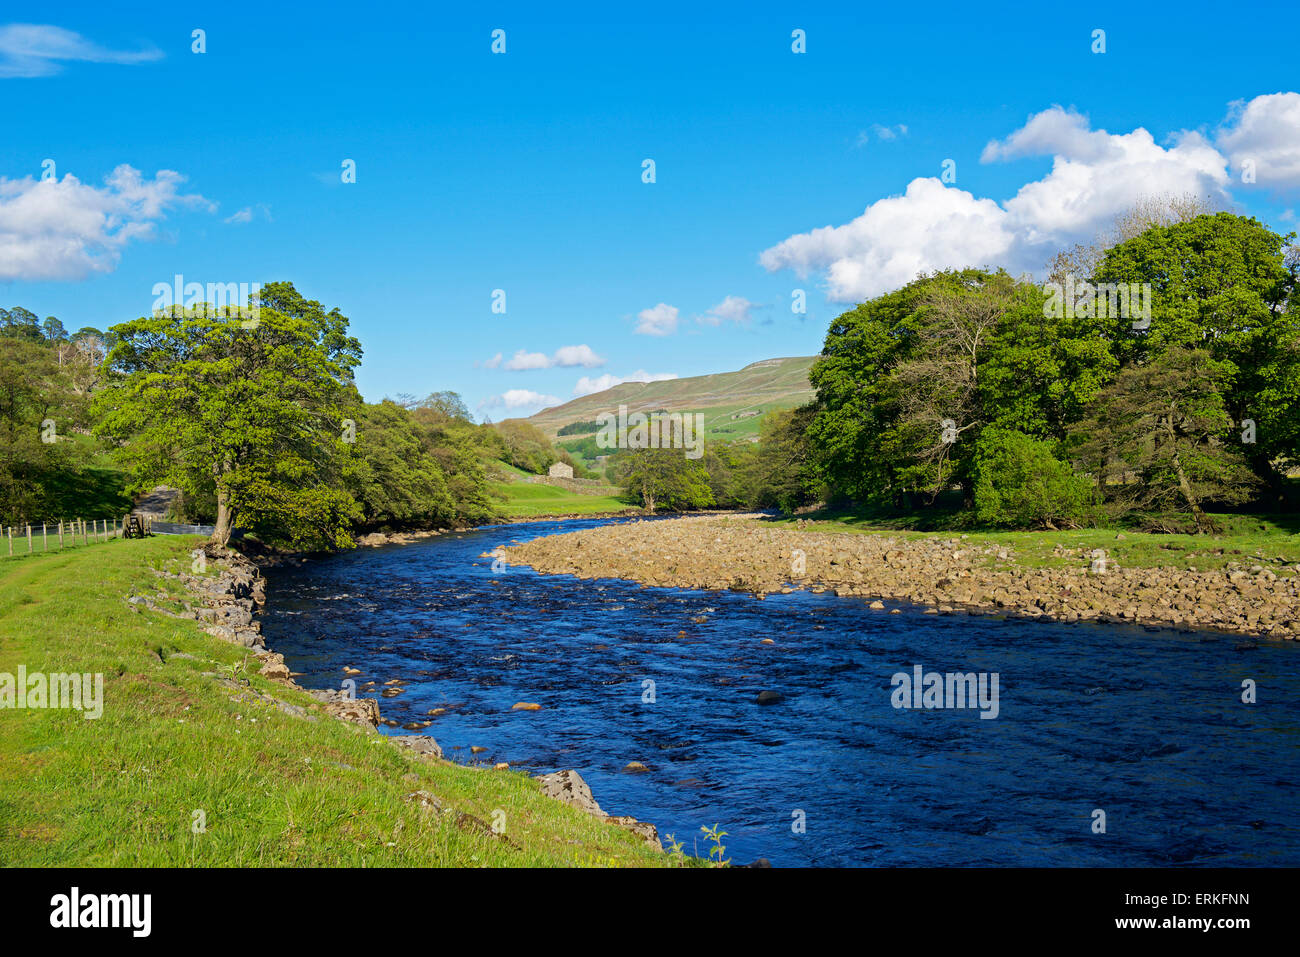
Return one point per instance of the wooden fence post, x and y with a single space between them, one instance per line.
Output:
45 540
29 539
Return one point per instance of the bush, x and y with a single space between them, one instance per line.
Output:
1019 483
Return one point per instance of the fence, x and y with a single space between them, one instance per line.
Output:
51 536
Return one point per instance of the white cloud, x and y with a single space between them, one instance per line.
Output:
1266 132
587 385
565 357
523 361
732 309
65 229
514 400
660 320
1095 176
885 133
32 50
249 213
929 227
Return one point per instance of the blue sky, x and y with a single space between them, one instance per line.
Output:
522 171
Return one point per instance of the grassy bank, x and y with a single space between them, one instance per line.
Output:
534 500
274 788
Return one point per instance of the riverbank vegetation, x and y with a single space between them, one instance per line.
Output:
139 786
1154 381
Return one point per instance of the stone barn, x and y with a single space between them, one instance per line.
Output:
561 470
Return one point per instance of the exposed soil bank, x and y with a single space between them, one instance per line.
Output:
948 574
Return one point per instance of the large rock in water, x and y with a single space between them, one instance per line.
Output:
568 786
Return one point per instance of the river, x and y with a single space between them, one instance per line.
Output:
1145 725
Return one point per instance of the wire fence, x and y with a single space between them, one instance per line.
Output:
19 540
51 536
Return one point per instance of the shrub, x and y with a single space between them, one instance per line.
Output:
1019 483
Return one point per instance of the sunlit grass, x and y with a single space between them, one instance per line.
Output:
274 789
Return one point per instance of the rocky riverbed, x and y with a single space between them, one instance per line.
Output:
955 574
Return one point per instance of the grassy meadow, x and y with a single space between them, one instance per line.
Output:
274 789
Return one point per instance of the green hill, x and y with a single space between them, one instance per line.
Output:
733 403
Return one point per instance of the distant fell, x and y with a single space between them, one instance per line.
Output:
732 402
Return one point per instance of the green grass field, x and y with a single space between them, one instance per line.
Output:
526 500
275 789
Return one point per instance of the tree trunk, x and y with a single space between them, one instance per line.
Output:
221 534
1202 520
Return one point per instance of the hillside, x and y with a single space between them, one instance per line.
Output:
727 399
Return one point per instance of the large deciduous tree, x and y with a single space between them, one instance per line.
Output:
248 413
1222 283
1159 437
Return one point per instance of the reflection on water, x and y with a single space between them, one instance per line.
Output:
1144 724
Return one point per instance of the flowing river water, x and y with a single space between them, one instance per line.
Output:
1146 725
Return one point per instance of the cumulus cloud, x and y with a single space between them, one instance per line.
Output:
928 227
66 229
1266 133
565 357
514 400
660 320
732 309
1095 177
32 50
587 385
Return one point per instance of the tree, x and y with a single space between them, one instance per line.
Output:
663 477
907 381
1222 283
1019 483
32 414
20 323
394 480
53 330
782 470
1159 437
1082 261
249 413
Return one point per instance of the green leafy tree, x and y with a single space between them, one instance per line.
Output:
393 479
251 414
1019 483
36 410
20 323
907 381
1223 283
1159 437
663 478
